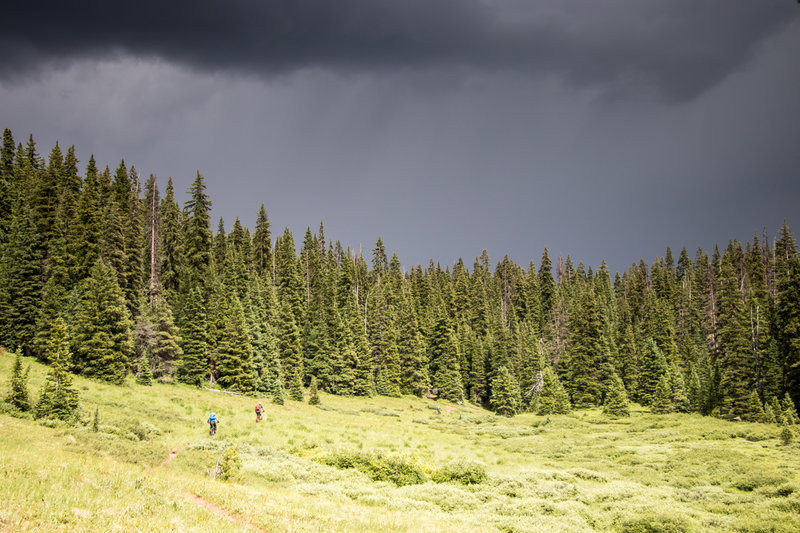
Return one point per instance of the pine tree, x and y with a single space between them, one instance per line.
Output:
262 244
773 405
165 351
680 398
787 318
616 403
755 410
695 392
151 247
383 345
102 326
553 398
171 245
193 367
662 398
58 398
198 237
144 376
21 267
505 393
278 394
234 352
735 347
445 372
789 411
589 360
288 280
296 385
8 189
313 393
769 415
414 368
18 386
289 345
547 289
86 234
653 368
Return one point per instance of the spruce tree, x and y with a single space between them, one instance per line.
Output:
653 368
165 351
616 402
144 375
444 357
769 414
661 403
588 364
296 385
86 234
414 369
151 248
197 237
193 366
289 345
18 386
680 398
313 393
755 410
58 399
171 245
694 392
262 244
8 189
734 342
789 411
505 393
547 289
553 398
278 394
234 352
788 319
102 326
21 266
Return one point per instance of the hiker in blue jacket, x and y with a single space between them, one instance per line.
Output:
212 422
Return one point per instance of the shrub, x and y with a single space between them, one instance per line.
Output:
144 430
786 436
464 472
228 465
656 524
396 469
754 480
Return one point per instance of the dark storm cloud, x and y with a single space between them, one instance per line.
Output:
678 48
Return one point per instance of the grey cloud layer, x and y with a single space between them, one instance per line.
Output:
678 48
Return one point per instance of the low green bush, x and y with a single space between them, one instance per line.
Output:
463 471
144 430
656 524
754 480
396 469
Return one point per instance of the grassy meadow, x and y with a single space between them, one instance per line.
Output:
383 464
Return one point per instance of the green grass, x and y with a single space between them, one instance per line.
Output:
373 464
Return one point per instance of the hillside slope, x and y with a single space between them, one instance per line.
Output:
580 472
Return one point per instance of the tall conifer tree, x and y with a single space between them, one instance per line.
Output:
102 327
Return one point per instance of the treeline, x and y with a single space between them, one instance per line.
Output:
146 287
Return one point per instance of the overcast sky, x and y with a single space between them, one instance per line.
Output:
604 130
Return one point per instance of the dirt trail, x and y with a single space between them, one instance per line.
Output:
219 511
198 500
172 455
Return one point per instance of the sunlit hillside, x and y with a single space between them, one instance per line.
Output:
383 464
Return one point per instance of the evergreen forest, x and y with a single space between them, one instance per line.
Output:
112 269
